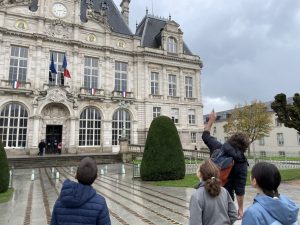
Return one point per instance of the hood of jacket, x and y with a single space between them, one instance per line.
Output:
74 194
236 154
281 209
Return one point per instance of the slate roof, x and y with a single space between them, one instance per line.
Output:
115 18
149 30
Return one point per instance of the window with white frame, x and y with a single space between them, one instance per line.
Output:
193 137
18 63
261 141
154 83
121 123
90 72
172 45
175 115
172 85
188 87
90 127
277 123
57 79
156 112
280 140
13 126
192 116
121 76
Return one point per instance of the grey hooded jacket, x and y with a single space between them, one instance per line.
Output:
207 210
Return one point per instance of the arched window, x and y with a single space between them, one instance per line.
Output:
121 123
13 126
90 127
172 45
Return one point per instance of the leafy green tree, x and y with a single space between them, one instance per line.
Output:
288 114
253 120
4 170
163 157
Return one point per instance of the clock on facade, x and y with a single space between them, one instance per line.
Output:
59 10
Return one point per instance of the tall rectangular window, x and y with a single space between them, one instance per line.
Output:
18 63
298 138
172 85
193 137
57 79
156 112
262 141
188 87
154 83
90 72
172 45
175 115
121 76
192 117
280 140
277 123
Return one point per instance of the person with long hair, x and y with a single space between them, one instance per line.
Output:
211 204
269 207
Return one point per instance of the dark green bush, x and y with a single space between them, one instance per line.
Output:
163 157
4 170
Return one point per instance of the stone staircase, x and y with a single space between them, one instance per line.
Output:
27 162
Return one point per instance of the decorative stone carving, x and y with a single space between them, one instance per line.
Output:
58 29
101 16
56 95
15 2
55 110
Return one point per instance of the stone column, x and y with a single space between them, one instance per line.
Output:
106 139
35 136
72 147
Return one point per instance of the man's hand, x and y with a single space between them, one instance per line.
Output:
212 118
240 201
240 214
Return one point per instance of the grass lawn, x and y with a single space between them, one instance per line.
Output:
6 196
191 180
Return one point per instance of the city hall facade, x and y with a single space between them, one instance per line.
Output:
119 81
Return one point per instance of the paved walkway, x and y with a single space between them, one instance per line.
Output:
130 202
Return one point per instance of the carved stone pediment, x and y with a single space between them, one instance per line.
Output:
55 110
15 2
56 95
100 17
58 29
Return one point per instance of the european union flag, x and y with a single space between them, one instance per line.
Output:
52 69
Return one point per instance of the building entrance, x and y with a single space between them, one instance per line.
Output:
53 138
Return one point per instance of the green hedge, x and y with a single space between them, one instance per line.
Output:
4 170
163 157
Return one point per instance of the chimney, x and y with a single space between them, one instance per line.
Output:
125 10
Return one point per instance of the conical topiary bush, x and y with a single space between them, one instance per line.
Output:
163 157
4 170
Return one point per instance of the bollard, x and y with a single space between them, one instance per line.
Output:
10 179
101 172
123 169
52 173
106 169
57 175
32 175
71 169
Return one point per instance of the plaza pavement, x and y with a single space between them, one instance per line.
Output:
130 202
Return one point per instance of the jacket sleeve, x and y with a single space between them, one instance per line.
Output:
251 218
232 212
240 178
103 217
195 211
53 218
210 141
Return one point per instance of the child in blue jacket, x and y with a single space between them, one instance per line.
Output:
269 207
79 203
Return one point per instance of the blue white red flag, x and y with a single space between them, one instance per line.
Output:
92 91
64 66
16 84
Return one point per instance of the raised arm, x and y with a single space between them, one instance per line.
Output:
210 141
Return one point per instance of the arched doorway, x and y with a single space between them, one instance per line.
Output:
55 126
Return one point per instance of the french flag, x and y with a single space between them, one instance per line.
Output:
16 84
124 94
64 66
92 91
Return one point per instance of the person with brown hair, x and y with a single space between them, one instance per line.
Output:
211 204
234 147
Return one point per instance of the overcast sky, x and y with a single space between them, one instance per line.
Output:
250 48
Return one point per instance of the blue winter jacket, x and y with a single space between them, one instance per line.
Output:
79 204
271 211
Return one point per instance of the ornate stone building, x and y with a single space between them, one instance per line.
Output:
119 80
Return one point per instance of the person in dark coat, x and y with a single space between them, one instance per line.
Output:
235 147
42 146
79 203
